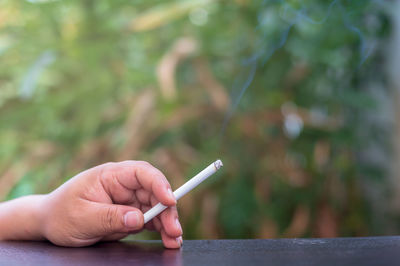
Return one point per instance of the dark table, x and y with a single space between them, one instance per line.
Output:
334 251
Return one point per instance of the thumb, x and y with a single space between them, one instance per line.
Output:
120 218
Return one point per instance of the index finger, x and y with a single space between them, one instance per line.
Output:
135 174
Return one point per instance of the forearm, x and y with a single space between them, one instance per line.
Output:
22 218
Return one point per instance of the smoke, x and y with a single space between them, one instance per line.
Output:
234 106
364 51
265 48
30 80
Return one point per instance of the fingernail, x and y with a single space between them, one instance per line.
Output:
178 224
131 219
171 195
179 240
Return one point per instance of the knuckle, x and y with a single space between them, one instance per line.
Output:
108 165
108 220
144 164
105 170
149 169
128 161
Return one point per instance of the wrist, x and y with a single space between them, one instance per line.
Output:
39 210
30 217
22 218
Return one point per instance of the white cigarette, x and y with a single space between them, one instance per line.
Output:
185 188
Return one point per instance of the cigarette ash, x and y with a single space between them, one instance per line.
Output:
218 164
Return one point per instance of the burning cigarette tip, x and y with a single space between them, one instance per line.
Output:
218 164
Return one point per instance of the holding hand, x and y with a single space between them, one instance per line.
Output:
103 203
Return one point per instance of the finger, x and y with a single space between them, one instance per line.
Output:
154 224
143 196
112 218
136 205
150 226
170 222
157 224
134 175
108 175
171 242
145 208
154 181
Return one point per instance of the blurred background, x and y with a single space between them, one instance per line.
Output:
297 97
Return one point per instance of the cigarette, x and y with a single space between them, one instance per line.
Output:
185 188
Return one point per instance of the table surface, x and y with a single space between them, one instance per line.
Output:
333 251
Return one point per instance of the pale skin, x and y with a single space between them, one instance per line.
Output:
104 203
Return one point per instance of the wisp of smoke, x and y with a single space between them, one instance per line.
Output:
262 55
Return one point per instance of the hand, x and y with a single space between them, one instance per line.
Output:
107 202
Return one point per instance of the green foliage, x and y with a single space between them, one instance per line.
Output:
81 85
